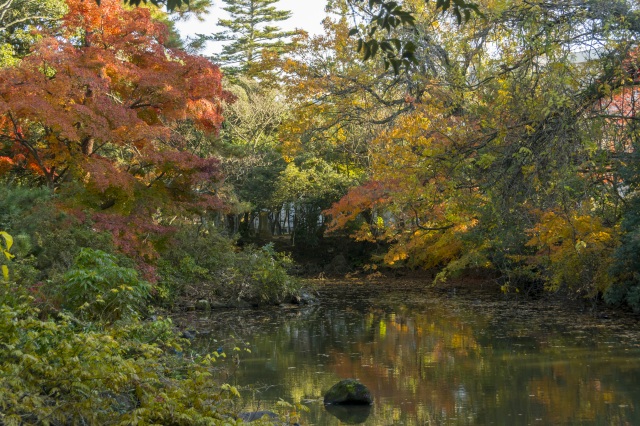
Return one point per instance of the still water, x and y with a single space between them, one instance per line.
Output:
435 358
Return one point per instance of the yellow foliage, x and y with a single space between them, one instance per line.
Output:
577 249
4 248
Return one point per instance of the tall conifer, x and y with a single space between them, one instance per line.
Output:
251 30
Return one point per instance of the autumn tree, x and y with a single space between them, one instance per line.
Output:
339 105
93 108
339 100
500 138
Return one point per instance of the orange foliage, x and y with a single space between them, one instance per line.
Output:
359 200
6 164
415 200
96 102
104 80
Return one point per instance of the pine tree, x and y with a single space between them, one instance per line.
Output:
251 31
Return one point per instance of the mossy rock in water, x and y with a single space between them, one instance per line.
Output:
202 305
348 392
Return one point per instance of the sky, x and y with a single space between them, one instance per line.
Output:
306 14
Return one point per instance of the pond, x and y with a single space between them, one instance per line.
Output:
434 357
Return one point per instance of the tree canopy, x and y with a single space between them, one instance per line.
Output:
101 108
498 140
504 138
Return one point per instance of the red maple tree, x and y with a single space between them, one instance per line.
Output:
95 106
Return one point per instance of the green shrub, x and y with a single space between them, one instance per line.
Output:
96 287
46 239
18 201
60 371
264 276
209 265
625 269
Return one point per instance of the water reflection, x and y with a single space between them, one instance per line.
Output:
349 414
438 359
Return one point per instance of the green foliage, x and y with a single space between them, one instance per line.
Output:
313 181
86 275
96 287
188 266
388 16
52 259
251 32
18 19
291 412
251 160
46 238
626 266
17 201
209 266
309 188
267 280
59 371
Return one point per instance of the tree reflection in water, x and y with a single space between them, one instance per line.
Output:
436 358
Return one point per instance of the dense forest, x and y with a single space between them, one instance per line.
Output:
138 175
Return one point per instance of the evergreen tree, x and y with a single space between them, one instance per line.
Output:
251 31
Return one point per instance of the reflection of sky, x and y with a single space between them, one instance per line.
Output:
437 359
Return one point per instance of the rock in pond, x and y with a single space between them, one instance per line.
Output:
257 415
202 305
189 334
348 392
304 298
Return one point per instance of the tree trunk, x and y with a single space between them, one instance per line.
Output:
263 225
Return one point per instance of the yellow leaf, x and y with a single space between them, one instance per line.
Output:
8 239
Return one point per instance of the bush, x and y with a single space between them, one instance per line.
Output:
60 371
17 201
209 265
262 276
95 287
46 239
82 268
574 251
625 269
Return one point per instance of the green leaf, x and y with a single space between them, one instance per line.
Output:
386 46
395 63
374 47
367 51
171 4
456 13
